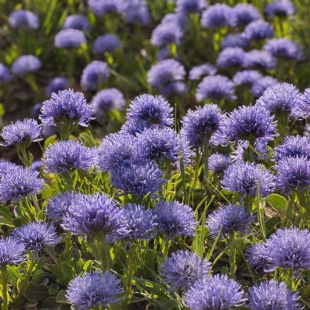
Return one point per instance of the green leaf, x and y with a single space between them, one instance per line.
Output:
55 270
36 292
88 265
47 192
53 289
278 203
67 270
5 212
50 140
61 297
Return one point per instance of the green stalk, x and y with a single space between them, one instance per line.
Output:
4 280
232 255
104 251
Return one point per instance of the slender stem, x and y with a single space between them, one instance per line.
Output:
68 243
205 161
232 256
4 280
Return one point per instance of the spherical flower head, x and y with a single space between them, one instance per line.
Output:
284 48
218 15
200 71
76 21
94 74
235 40
154 110
262 84
5 167
101 7
5 74
21 132
190 6
137 12
272 295
183 269
259 30
218 162
245 14
257 257
55 85
304 110
133 127
260 59
66 105
69 38
23 19
230 57
94 290
26 64
289 248
11 252
246 77
175 219
187 154
215 87
175 19
164 34
280 8
175 88
165 72
246 178
106 43
65 156
217 293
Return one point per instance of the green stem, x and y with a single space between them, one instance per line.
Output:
104 251
4 280
205 159
68 244
27 208
232 256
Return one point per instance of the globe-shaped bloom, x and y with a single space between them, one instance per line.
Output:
6 166
21 132
304 110
183 269
137 12
289 248
259 59
272 295
262 84
175 19
76 21
246 178
55 85
69 38
245 14
26 64
106 43
259 30
218 15
94 290
257 257
235 40
23 19
246 77
280 8
218 162
11 252
200 71
5 75
190 6
175 88
66 105
101 7
217 293
215 87
164 34
230 57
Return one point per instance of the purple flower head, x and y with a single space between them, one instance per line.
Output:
106 43
215 87
66 104
76 21
164 34
289 248
5 74
55 85
11 252
175 88
229 219
36 165
230 57
280 8
175 19
165 72
257 257
165 53
175 219
36 236
69 38
218 162
218 15
65 156
304 110
217 293
245 14
246 178
260 59
259 30
94 74
272 295
23 19
137 12
21 132
101 7
190 6
6 166
262 84
133 127
26 64
200 71
154 110
94 290
235 40
183 269
187 154
284 48
246 77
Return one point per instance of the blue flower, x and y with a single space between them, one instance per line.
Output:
215 87
258 30
183 269
94 290
21 132
262 84
235 40
247 178
65 156
190 6
260 59
94 75
5 75
23 19
217 293
245 14
200 71
165 72
76 21
280 8
304 110
11 252
101 7
175 219
257 257
55 85
175 19
175 88
272 295
36 236
137 12
66 104
218 162
218 15
289 248
246 77
5 167
164 34
69 38
106 43
165 53
26 64
230 57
